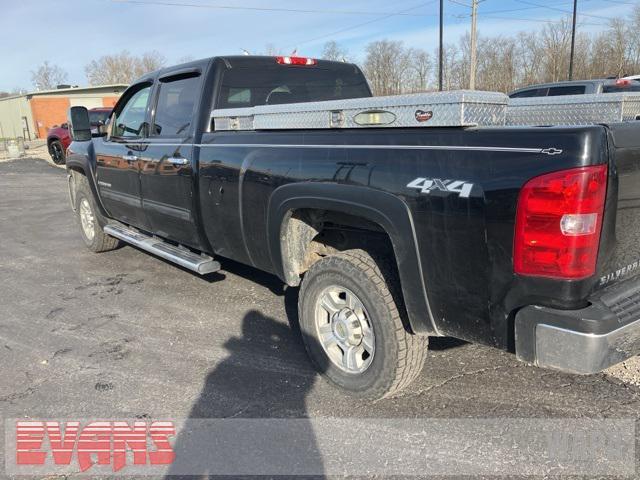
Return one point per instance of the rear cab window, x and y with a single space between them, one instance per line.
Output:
250 86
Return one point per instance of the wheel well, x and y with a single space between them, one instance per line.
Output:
309 234
50 140
76 170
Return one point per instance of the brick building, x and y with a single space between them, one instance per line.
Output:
32 114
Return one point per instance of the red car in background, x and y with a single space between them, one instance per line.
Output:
59 138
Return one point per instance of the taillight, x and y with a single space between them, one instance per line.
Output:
623 82
300 61
558 223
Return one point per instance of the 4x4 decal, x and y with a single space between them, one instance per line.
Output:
426 185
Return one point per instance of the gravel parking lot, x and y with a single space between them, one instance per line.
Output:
124 334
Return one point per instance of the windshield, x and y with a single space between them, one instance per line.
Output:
248 87
96 117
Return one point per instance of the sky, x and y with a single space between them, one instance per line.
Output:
72 33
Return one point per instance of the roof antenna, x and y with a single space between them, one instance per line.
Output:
294 53
245 52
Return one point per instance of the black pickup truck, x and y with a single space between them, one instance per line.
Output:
522 238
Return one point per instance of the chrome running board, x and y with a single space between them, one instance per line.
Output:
201 264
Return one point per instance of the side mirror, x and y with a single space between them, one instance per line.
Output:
79 123
65 126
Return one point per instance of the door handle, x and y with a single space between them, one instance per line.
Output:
130 158
178 160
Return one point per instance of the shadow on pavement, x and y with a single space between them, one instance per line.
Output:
265 376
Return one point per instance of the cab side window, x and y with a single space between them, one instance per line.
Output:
533 92
130 120
176 103
567 90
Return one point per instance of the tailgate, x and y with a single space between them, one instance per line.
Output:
620 244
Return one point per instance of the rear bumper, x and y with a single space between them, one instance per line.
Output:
582 341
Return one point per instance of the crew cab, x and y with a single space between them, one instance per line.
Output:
396 224
59 137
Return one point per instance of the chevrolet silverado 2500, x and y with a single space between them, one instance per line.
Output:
400 218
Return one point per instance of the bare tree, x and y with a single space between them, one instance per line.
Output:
148 62
618 47
122 67
334 51
419 71
111 69
386 67
555 39
48 76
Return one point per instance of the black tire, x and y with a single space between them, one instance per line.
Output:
57 153
399 355
100 242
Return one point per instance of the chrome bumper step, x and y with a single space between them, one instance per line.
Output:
201 264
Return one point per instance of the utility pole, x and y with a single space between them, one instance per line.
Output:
573 39
441 50
474 47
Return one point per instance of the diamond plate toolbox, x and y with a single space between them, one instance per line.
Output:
442 109
574 109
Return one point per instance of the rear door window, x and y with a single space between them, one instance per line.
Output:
176 103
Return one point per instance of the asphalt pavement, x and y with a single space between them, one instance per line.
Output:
124 334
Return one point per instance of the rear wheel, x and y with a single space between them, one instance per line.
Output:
57 152
352 326
88 219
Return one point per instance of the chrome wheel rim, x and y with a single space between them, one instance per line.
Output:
344 329
87 220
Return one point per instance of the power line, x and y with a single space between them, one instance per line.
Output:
489 12
268 9
353 27
460 3
525 2
620 2
540 20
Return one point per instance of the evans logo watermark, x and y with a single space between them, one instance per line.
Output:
427 185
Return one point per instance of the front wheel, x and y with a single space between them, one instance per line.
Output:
352 326
87 216
57 152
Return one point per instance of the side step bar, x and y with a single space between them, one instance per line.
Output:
201 264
